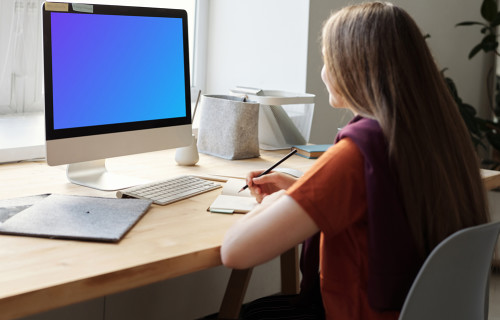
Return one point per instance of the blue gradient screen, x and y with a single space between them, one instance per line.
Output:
109 69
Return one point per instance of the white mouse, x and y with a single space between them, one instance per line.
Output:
293 172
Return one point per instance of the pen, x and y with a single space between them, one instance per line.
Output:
272 167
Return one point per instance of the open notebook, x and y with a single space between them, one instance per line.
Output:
230 201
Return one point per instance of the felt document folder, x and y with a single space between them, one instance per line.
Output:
77 217
230 201
11 207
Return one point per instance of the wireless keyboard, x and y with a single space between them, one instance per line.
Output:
167 191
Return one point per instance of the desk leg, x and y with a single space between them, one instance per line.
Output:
235 292
290 271
238 283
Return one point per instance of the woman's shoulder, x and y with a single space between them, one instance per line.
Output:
367 135
344 152
341 162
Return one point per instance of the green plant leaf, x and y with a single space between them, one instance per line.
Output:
483 124
489 43
468 109
470 23
494 139
489 10
490 164
479 142
475 50
451 85
496 108
467 112
495 21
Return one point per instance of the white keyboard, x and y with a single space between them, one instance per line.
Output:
167 191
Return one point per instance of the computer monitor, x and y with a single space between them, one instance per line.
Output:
116 83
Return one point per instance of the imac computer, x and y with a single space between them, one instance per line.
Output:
116 83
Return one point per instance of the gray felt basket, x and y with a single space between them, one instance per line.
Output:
228 127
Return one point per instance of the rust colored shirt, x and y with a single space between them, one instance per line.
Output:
333 193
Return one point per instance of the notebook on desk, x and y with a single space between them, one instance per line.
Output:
77 217
233 201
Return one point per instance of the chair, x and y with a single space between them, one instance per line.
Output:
453 281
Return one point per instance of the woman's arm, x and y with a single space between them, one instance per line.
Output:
275 226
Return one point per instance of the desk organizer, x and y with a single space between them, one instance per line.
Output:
228 127
281 127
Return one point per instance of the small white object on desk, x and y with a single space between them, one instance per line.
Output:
187 156
293 172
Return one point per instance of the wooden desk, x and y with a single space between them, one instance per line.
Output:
41 274
491 179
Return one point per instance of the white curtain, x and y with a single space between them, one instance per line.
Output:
21 56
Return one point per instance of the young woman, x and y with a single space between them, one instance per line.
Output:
401 176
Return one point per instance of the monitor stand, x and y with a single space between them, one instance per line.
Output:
93 174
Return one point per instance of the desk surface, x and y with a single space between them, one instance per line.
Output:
41 274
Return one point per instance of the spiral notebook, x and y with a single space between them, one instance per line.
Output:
76 217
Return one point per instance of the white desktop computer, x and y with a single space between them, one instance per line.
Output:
116 83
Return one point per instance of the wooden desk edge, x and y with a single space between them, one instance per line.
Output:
46 299
491 178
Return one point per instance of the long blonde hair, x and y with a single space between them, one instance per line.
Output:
379 62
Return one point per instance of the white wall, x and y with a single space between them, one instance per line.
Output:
257 43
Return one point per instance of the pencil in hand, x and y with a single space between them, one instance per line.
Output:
272 167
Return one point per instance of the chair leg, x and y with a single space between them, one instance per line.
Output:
290 271
235 293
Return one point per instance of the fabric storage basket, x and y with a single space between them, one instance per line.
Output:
229 127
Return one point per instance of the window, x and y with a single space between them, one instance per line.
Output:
21 67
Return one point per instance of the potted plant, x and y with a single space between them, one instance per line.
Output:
484 131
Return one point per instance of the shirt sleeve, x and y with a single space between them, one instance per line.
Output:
333 190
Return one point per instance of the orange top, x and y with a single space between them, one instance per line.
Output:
333 193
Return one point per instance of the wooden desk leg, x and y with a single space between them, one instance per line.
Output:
235 292
238 283
290 271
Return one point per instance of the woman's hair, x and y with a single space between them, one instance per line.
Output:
379 63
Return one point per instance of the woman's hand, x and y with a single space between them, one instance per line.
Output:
268 183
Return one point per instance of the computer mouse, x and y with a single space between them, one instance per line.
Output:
293 172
